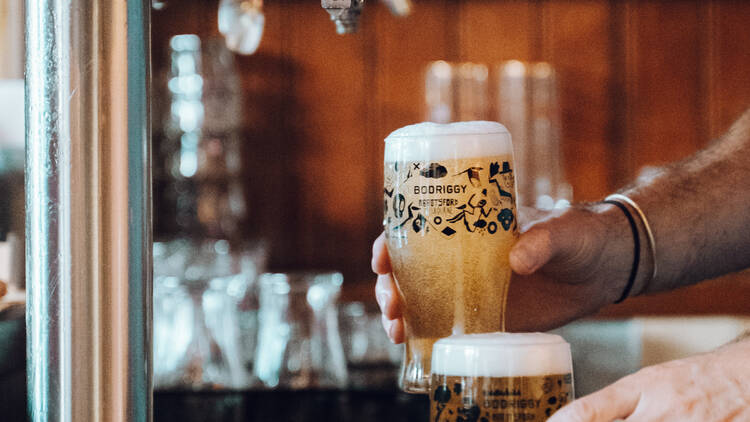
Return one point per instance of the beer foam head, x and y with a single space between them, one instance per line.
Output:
437 141
501 355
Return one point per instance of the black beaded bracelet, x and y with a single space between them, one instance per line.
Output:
636 252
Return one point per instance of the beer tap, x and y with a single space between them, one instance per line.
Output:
344 13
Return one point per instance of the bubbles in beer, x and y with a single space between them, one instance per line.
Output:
450 223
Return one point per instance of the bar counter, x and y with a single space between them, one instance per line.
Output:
297 406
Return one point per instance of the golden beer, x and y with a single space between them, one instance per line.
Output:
450 221
500 377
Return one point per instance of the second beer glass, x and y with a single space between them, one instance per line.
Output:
500 377
450 221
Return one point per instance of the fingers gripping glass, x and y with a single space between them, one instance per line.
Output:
450 221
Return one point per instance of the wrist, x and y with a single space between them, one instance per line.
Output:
618 249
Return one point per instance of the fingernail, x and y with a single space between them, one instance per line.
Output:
522 260
391 324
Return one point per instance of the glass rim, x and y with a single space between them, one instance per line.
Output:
457 129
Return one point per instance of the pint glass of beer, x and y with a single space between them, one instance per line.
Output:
450 221
500 377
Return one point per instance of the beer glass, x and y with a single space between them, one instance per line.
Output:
450 221
500 377
298 345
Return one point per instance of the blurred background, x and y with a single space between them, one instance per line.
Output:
268 130
639 84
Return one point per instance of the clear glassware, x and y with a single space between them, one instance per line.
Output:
450 221
241 22
456 92
200 190
471 95
500 377
353 324
372 360
220 202
527 104
198 289
439 92
400 8
299 346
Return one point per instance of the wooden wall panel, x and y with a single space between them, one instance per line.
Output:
642 82
664 99
576 41
269 142
403 48
493 31
729 63
490 32
330 121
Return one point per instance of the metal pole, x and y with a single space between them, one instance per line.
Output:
88 202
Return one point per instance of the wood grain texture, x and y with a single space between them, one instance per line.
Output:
728 76
576 42
270 143
403 48
490 32
641 83
329 122
664 100
493 31
726 295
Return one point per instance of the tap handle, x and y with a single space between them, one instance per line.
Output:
336 4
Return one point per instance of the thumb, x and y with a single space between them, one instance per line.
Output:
565 238
532 250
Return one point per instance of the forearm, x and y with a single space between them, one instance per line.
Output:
699 211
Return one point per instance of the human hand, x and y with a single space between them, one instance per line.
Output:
709 387
567 264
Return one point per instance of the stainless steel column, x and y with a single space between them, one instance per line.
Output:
88 220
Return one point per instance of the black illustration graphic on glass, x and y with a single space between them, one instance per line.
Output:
475 214
389 194
494 171
419 223
441 397
434 171
399 202
473 174
470 414
410 209
470 209
506 218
